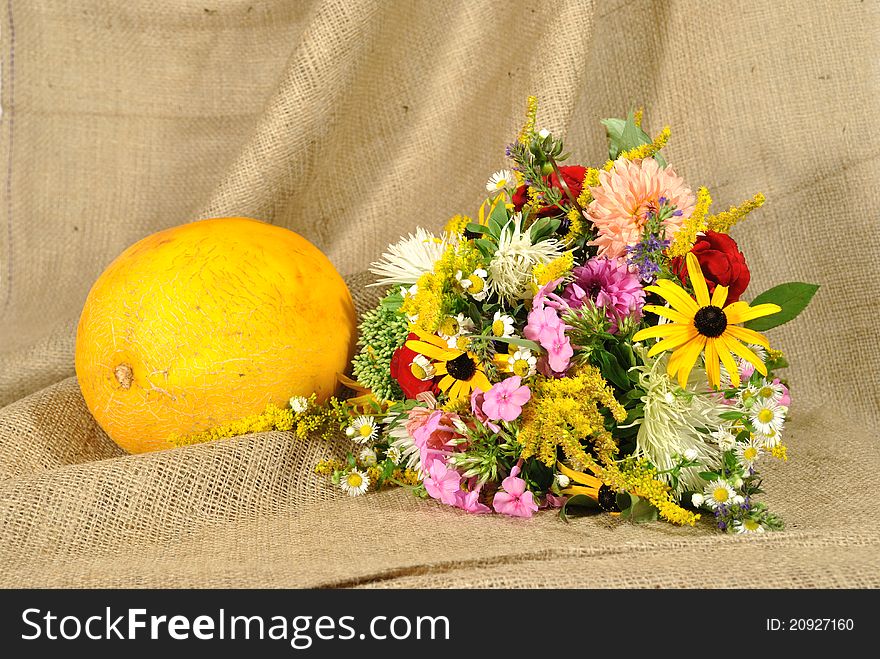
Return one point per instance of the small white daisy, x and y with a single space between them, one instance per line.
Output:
354 483
502 324
726 440
767 416
367 457
299 404
748 525
748 453
501 180
422 368
474 284
718 493
771 391
455 330
363 429
768 439
393 454
522 363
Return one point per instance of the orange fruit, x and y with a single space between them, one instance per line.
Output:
206 323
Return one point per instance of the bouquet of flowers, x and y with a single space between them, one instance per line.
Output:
581 343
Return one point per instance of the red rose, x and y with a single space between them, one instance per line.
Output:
401 371
721 262
573 176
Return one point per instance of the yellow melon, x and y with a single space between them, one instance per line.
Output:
206 323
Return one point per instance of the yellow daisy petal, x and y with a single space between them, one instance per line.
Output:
676 357
747 336
657 331
675 295
690 352
673 342
579 476
480 381
432 351
713 365
728 361
666 312
740 312
440 368
446 383
701 291
719 297
738 348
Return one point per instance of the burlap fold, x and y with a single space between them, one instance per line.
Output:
352 122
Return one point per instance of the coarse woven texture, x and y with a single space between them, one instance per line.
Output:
351 122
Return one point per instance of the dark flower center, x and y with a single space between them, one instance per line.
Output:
608 500
462 367
710 321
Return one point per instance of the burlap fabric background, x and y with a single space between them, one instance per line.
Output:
352 121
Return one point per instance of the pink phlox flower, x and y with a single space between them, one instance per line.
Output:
559 352
553 501
443 483
477 397
504 401
546 297
785 401
433 437
515 500
542 326
470 502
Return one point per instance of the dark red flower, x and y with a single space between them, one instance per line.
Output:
721 262
401 371
573 176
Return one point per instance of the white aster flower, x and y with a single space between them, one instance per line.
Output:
501 180
768 439
363 429
367 457
719 493
422 368
299 404
510 270
748 525
393 454
355 482
768 417
748 452
409 258
474 284
771 391
669 427
522 363
502 324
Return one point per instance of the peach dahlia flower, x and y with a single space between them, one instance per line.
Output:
623 198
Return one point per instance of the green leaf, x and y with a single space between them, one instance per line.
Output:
473 227
580 501
793 297
643 511
708 475
515 340
612 370
731 416
487 247
497 219
625 500
623 135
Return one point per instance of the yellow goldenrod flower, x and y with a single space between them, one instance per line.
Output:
722 222
640 479
544 273
780 452
643 151
637 117
456 224
686 236
531 116
702 325
461 370
591 180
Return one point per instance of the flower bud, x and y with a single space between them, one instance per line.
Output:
697 500
562 481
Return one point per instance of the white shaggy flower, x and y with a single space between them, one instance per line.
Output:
522 363
409 258
299 404
510 270
402 443
748 452
672 422
354 483
367 457
393 454
363 429
719 493
502 324
771 391
748 525
768 417
501 180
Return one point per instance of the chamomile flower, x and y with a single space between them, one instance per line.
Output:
771 391
455 330
367 457
522 363
393 454
501 180
748 525
299 404
769 439
409 258
748 453
354 483
422 368
768 417
474 284
502 324
363 429
719 493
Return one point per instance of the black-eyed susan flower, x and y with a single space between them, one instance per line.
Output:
589 485
703 325
461 369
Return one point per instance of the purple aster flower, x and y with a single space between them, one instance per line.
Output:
608 284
